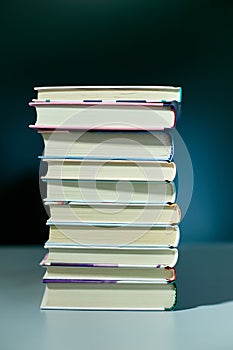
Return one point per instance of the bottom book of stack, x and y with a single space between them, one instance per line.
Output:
109 277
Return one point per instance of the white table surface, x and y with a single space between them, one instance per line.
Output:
203 318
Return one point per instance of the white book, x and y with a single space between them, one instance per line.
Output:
124 295
105 115
75 274
115 170
113 235
110 191
106 93
145 214
134 145
116 256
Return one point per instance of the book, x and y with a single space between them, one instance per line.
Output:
110 191
74 274
112 144
110 93
118 295
144 214
113 235
102 256
105 115
115 170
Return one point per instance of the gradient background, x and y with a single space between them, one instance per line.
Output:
183 43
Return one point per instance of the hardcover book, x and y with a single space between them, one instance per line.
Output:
79 115
114 170
108 273
144 214
110 93
118 295
112 144
82 255
113 235
155 192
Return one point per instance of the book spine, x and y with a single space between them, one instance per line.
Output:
176 107
172 148
175 299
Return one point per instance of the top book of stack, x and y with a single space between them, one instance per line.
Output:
110 93
107 108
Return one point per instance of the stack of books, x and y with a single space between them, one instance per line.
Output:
110 194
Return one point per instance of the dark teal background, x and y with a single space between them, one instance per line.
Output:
184 43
